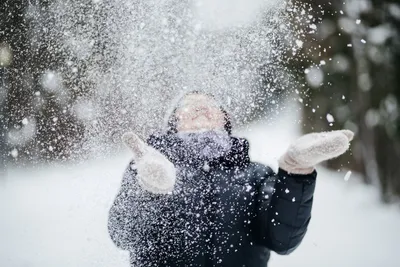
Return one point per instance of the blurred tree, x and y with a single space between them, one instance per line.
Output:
349 68
8 16
3 112
39 124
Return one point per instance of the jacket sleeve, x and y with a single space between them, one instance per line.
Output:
133 213
285 202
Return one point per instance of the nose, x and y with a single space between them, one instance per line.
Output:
200 108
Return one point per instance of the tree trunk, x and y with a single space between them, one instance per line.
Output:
3 122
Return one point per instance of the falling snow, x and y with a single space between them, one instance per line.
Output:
330 118
347 176
122 65
14 153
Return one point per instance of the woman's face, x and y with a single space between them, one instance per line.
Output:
198 112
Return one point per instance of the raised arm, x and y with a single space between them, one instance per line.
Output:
285 198
283 220
132 211
145 186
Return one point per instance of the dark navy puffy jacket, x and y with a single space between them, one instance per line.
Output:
226 212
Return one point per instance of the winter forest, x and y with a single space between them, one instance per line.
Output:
75 75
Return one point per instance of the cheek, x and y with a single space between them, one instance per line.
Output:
179 115
221 121
217 115
183 114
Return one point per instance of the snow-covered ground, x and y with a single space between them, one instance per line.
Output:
57 216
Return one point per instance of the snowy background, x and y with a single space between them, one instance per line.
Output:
76 74
58 216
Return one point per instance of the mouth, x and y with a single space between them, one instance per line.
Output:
201 116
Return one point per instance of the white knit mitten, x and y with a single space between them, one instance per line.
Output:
311 149
155 172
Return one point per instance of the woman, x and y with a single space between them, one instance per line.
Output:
193 197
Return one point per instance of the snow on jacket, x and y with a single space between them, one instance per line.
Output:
226 211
